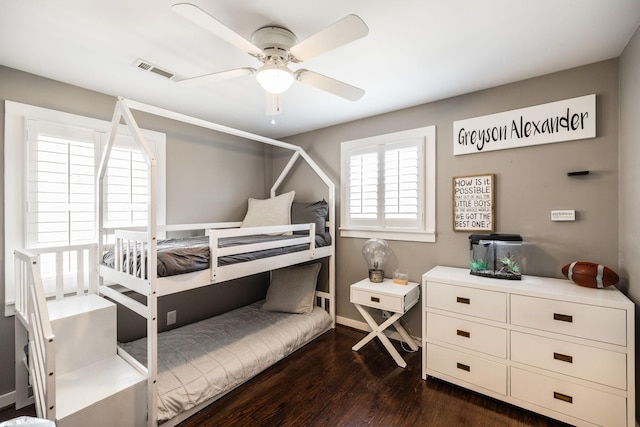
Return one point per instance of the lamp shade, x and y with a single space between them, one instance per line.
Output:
274 78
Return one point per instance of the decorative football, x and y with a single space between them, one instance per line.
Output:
590 275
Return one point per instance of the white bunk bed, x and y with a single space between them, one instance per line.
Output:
134 260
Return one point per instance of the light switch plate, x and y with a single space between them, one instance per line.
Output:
563 215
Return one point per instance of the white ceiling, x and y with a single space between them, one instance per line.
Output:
417 51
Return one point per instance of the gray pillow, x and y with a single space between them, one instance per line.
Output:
306 212
292 289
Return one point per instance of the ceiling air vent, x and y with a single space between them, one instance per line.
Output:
147 66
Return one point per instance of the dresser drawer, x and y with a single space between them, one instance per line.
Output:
474 336
574 400
465 367
470 301
580 361
579 320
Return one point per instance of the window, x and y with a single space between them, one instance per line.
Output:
388 186
51 162
127 184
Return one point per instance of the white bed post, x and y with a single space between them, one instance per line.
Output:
332 221
123 112
331 188
332 258
152 267
102 170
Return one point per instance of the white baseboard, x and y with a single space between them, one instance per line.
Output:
362 326
7 399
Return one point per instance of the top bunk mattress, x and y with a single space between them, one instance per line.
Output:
204 360
188 254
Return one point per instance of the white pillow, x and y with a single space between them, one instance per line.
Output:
273 211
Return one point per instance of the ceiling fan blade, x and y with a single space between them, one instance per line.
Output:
344 31
198 16
330 85
222 75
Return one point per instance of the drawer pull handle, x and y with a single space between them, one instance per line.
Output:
464 367
462 300
563 317
375 299
463 333
563 357
563 397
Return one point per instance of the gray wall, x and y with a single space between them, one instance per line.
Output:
530 181
209 177
629 159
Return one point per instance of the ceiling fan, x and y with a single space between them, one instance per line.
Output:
276 47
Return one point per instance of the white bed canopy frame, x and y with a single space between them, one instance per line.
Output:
151 286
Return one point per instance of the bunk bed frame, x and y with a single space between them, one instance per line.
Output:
135 264
127 242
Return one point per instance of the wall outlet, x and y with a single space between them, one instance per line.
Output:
172 317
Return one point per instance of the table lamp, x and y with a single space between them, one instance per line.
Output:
376 252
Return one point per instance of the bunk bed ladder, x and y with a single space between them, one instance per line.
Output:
76 374
32 313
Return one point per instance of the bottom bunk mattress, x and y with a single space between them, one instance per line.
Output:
204 360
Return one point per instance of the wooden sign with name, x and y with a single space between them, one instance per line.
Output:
565 120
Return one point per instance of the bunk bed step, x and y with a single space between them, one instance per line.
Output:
107 393
85 331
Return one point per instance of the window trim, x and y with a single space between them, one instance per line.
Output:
428 231
15 173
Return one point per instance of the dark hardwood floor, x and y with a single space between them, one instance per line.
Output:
327 384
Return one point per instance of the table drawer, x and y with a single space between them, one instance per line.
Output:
580 361
474 336
468 368
574 400
470 301
579 320
376 300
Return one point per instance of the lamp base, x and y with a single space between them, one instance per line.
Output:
376 275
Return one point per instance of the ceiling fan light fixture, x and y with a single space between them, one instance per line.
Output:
274 78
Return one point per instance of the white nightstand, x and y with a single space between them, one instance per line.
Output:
390 298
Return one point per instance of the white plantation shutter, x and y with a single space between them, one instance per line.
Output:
61 177
363 186
127 184
402 184
388 186
60 185
385 183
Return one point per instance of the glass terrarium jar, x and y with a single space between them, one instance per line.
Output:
496 255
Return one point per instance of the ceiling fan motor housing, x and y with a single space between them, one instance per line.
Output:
274 42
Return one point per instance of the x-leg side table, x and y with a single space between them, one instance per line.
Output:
394 301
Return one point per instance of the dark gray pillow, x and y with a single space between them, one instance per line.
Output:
306 212
292 289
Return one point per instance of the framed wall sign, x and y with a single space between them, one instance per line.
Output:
473 203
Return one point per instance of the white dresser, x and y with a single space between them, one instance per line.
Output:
544 344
